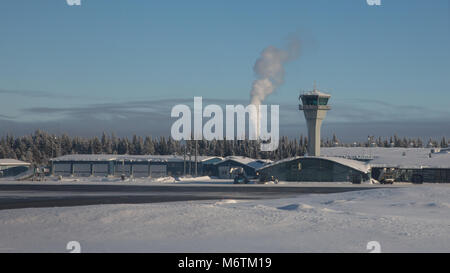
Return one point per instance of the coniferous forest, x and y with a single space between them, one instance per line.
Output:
40 146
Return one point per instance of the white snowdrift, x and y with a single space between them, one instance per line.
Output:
127 181
408 219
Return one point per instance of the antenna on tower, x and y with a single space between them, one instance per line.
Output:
315 86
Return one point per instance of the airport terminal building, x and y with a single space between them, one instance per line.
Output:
337 164
316 169
153 166
407 164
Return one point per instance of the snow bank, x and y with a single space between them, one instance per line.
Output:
127 181
408 219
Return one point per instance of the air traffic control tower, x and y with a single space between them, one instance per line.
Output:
314 105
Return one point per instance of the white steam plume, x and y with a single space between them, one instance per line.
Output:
270 72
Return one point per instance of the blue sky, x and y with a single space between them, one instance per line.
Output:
105 64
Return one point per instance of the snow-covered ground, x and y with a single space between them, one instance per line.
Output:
413 218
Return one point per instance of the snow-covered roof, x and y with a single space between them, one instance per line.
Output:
354 164
394 157
251 162
13 162
206 158
85 157
357 165
316 92
109 157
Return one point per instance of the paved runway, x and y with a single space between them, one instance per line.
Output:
14 196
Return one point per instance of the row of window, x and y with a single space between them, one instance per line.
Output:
315 100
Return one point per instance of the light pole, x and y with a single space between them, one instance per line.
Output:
196 174
183 142
190 163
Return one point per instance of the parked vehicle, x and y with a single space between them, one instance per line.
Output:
387 176
239 176
241 179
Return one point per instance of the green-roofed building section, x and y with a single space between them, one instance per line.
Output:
316 169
